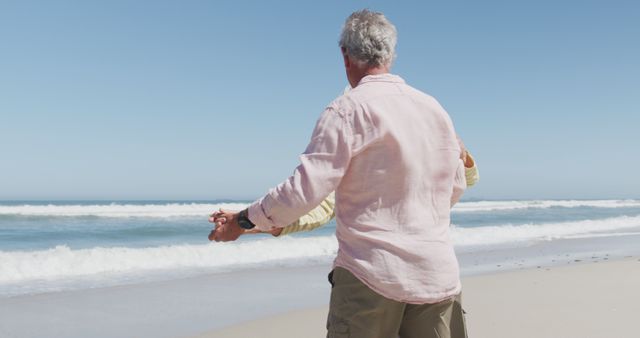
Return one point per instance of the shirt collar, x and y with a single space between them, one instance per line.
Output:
386 77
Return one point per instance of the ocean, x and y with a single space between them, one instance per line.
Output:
53 246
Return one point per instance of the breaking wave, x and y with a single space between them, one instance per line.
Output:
167 210
481 206
64 262
499 234
118 210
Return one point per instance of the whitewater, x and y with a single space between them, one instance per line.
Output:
51 246
194 209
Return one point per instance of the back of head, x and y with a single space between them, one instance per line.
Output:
369 38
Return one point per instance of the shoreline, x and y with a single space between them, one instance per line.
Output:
584 300
211 303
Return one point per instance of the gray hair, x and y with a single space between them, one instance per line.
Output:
369 38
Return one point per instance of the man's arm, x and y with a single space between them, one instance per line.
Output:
323 165
459 183
317 217
325 212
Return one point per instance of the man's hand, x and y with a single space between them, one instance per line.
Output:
464 154
227 227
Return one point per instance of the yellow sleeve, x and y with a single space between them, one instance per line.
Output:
320 215
472 175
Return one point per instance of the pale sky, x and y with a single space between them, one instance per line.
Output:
212 100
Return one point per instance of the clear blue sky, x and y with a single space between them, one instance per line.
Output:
208 100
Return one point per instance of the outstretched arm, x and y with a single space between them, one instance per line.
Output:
319 216
325 212
322 166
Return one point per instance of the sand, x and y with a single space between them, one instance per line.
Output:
583 300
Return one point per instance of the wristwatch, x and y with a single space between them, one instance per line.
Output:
243 220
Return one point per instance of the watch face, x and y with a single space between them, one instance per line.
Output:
245 224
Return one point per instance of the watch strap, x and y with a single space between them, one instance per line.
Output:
244 221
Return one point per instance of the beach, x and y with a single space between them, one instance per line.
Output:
123 269
197 169
587 300
596 298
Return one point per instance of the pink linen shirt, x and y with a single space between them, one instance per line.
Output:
391 154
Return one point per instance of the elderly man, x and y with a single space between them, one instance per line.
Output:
391 155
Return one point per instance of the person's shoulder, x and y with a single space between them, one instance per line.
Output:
345 104
422 97
417 92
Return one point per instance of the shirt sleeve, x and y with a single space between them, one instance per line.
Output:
317 217
472 175
459 183
322 166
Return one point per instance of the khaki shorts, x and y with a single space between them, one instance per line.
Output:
356 311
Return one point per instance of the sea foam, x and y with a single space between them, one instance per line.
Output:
117 210
169 210
482 206
64 262
507 233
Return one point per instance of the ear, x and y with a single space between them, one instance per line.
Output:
347 62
